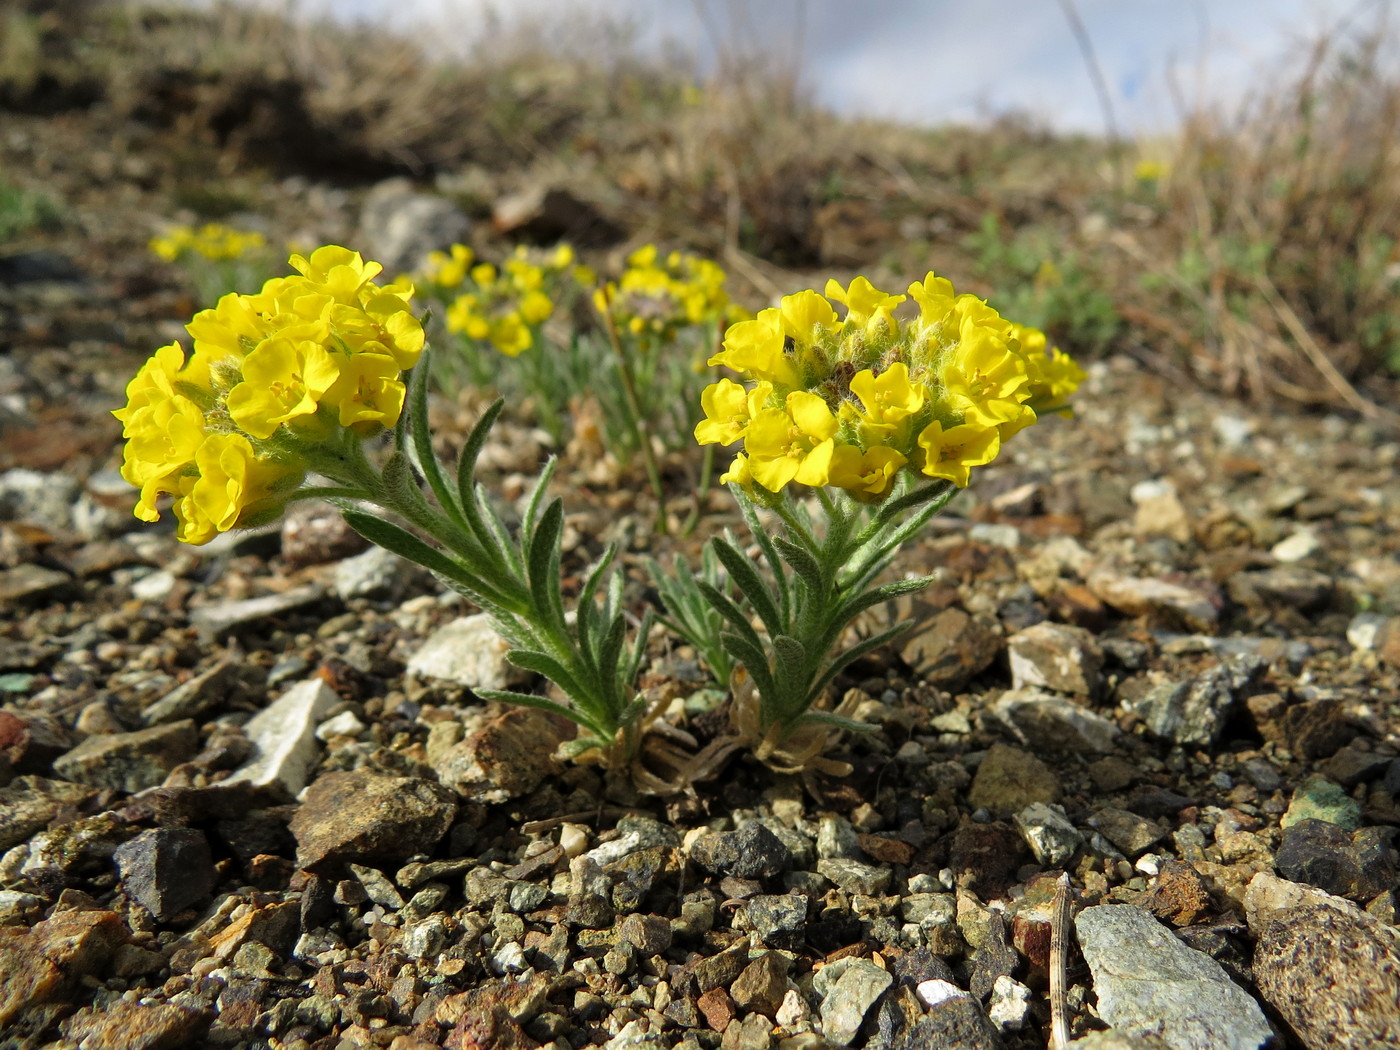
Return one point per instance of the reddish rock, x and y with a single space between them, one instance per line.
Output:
718 1008
1179 896
40 964
134 1026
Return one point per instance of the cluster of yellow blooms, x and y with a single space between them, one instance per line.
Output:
225 432
502 306
212 241
852 401
656 297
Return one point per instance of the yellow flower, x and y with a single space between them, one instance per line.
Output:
449 269
536 308
866 306
984 381
510 335
738 472
755 348
806 316
867 475
793 443
337 272
161 444
728 408
232 479
367 392
283 379
951 453
889 398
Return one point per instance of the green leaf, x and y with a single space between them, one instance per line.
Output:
851 655
857 604
836 721
467 495
732 613
406 545
754 661
751 585
791 673
803 564
508 696
422 446
544 664
610 651
542 562
537 495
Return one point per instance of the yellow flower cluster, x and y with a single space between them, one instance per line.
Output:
212 241
656 297
502 306
270 374
851 401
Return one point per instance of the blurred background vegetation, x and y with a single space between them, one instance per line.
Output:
1253 251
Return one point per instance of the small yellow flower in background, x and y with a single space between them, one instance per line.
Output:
504 306
867 395
213 241
655 298
272 376
1149 170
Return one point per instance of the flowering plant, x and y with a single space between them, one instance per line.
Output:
884 418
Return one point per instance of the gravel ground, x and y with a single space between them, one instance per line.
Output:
247 798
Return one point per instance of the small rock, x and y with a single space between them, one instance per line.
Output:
130 762
1159 511
1009 779
216 621
649 934
1148 982
853 876
1049 833
467 652
1169 604
777 919
375 573
1129 832
314 533
1195 711
752 852
1179 895
283 735
1364 631
29 804
1317 798
29 584
952 648
42 963
166 870
1315 728
1351 765
590 895
985 858
1010 1004
1332 975
1359 865
763 984
848 988
545 213
1056 657
509 756
365 817
196 697
1289 585
41 498
136 1026
837 838
1300 546
955 1021
994 958
1054 724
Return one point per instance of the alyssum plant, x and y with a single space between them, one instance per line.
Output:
881 418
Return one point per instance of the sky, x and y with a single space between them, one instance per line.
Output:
939 61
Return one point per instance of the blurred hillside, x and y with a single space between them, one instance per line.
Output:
1254 252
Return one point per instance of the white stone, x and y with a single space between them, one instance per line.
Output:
1364 630
1049 833
343 724
284 736
154 586
467 652
1302 544
573 838
996 535
1233 431
1009 1005
931 993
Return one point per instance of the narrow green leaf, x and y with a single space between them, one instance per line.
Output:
610 651
803 564
537 496
791 672
827 718
544 664
732 613
542 559
751 585
406 545
422 447
754 661
851 655
508 696
468 497
857 604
